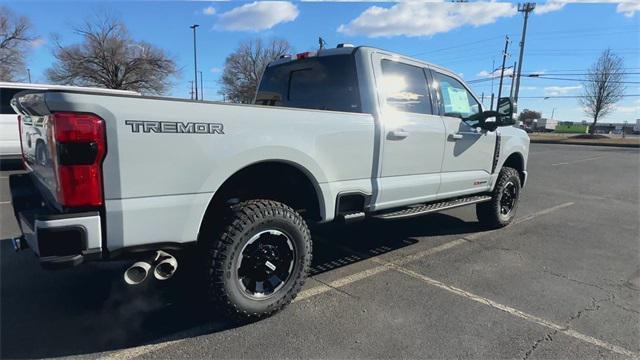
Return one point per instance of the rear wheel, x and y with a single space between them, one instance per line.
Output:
501 209
259 261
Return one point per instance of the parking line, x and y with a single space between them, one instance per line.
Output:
413 257
577 161
5 202
134 352
521 314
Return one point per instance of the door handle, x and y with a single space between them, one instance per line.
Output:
398 134
455 137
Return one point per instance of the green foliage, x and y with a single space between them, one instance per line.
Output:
571 129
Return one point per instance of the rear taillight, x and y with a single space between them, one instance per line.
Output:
77 144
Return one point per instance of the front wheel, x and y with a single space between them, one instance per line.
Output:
259 262
501 209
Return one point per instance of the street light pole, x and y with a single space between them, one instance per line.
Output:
201 87
195 58
29 75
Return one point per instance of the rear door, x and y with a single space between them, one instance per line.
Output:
413 136
9 133
468 151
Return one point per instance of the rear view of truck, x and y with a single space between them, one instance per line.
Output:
59 203
137 178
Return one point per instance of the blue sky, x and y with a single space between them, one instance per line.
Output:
563 39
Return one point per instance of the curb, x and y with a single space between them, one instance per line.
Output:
563 142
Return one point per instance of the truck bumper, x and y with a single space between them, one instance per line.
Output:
59 240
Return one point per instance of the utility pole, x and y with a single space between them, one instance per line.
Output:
29 75
191 92
493 66
504 60
201 87
513 79
195 58
526 8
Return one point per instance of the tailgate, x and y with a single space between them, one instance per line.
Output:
63 150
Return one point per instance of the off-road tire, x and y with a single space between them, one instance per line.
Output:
241 222
489 213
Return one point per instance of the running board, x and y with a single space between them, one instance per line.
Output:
430 207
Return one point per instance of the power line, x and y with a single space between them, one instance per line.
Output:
582 80
567 96
465 45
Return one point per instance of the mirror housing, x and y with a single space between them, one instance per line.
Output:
503 115
506 109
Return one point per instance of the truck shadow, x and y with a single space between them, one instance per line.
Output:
89 309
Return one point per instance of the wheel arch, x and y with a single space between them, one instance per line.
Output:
516 161
273 179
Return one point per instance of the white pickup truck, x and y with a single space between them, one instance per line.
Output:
346 133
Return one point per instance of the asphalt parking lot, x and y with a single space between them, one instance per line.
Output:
563 281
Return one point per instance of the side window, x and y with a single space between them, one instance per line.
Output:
5 98
405 87
455 98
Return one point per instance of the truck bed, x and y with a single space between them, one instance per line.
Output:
167 157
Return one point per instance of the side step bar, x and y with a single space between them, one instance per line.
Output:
430 207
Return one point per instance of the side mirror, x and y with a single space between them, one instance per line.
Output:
506 108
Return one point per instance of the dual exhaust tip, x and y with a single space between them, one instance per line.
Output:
164 266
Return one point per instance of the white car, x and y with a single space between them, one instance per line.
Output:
9 132
343 134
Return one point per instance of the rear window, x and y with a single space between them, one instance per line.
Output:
323 83
5 100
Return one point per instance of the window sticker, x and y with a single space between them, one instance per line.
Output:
459 100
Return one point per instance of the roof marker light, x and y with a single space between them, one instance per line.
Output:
305 55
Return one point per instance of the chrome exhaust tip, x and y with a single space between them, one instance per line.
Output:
166 267
137 273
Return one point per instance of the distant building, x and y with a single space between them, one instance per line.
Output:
614 128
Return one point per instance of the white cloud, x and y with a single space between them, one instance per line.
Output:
486 73
424 18
561 90
216 70
626 7
210 10
549 6
628 109
38 42
258 15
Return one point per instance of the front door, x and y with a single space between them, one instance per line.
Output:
468 151
413 136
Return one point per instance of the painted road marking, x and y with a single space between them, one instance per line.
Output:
134 352
5 202
521 314
577 161
410 258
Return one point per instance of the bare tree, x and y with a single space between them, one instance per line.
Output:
244 67
14 44
603 87
108 57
